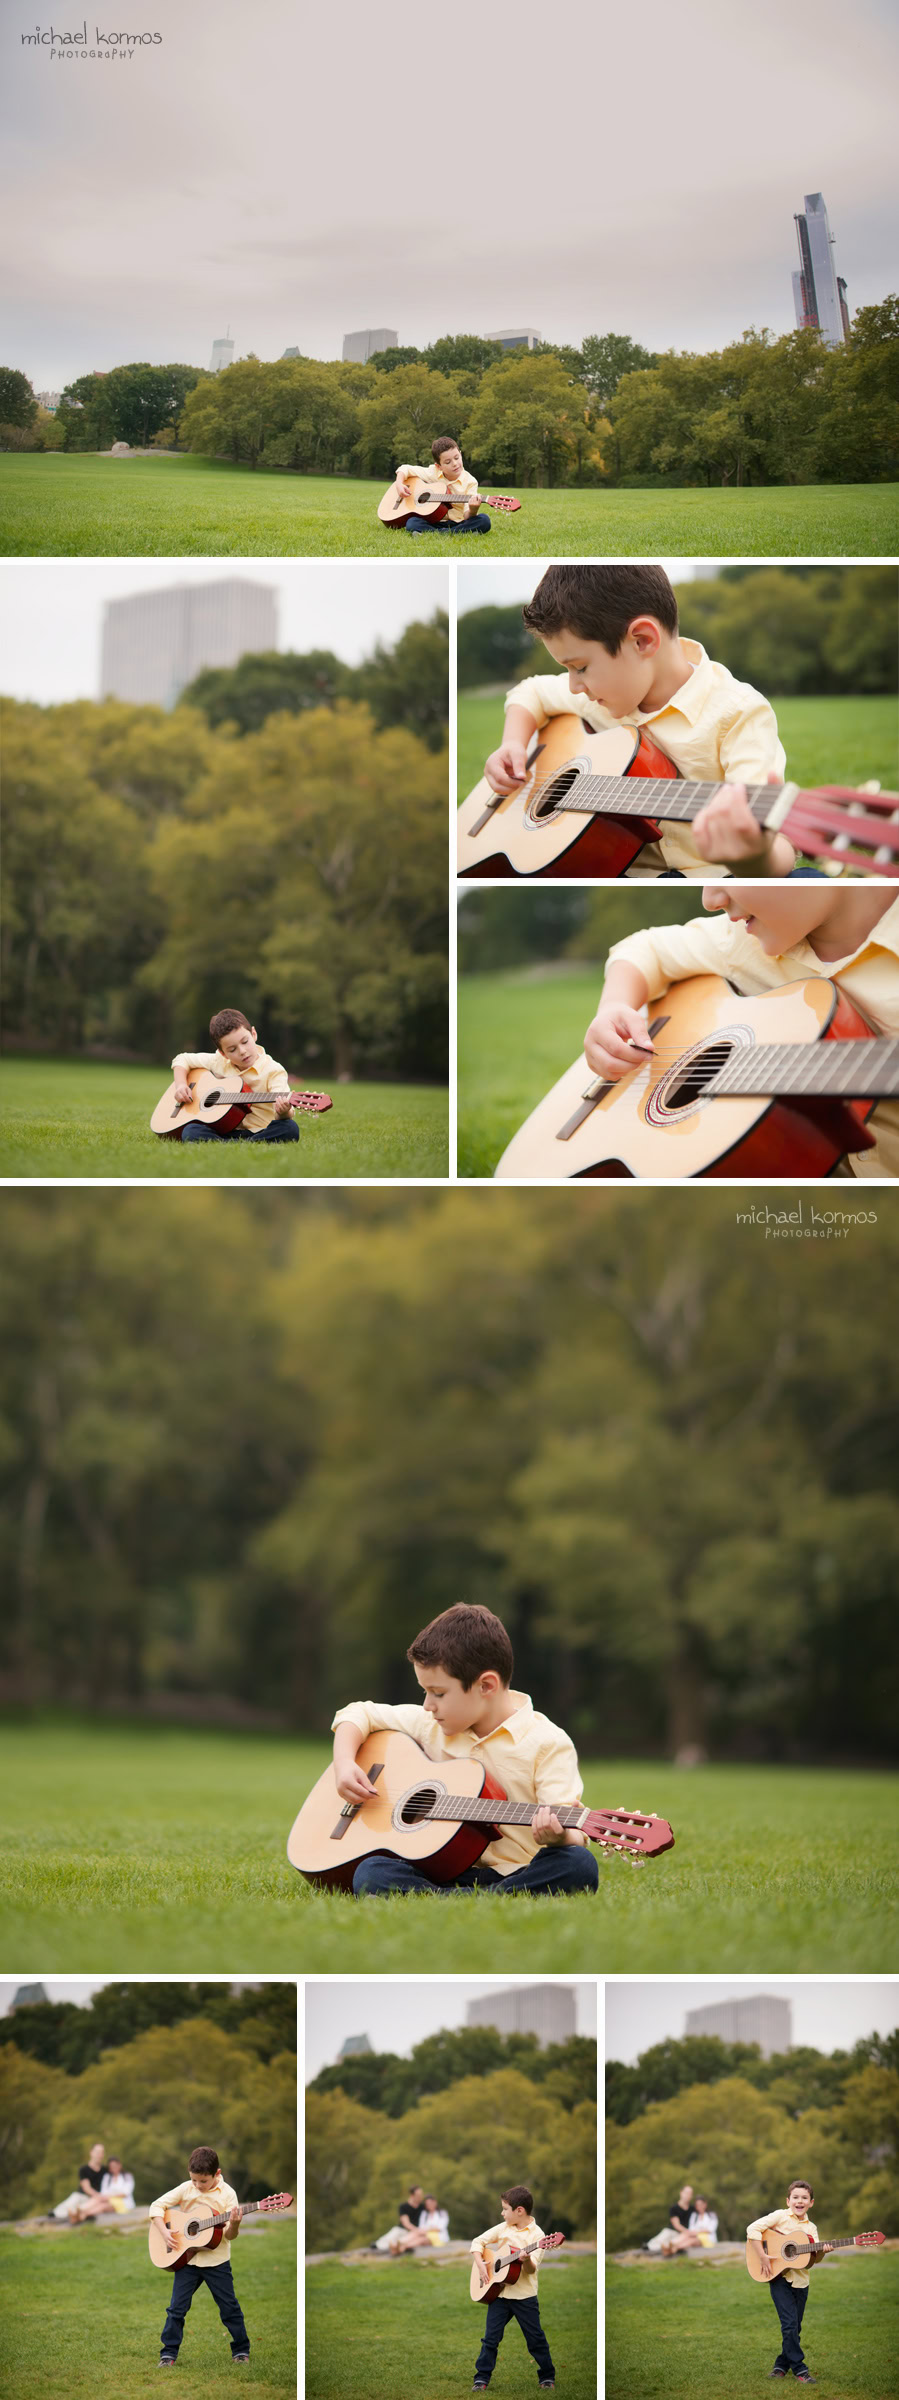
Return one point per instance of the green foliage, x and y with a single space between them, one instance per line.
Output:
63 2035
384 2333
714 2331
18 406
404 415
832 629
392 2085
130 404
803 2078
494 646
404 686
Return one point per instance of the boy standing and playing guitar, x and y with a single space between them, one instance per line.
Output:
204 2182
789 2288
517 2236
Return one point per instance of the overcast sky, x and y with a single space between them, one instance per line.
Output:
397 2015
51 610
828 2016
298 173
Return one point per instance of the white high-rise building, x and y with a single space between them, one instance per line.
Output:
547 2009
522 337
222 354
757 2018
818 291
358 348
155 642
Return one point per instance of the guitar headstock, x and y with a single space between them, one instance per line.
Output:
856 831
866 2241
628 1832
275 2200
314 1102
551 2241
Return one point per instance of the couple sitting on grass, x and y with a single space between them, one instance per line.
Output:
103 2191
463 1665
420 2225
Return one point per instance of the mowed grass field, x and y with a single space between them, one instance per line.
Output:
839 739
517 1032
90 506
117 1847
83 2314
413 2333
704 2333
77 1117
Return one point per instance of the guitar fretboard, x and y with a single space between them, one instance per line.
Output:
652 796
860 1070
447 1809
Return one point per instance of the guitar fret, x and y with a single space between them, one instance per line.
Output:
654 796
865 1069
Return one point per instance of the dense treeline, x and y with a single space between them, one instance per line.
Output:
741 2134
785 629
801 2078
662 1445
272 847
503 928
63 2035
763 410
566 2070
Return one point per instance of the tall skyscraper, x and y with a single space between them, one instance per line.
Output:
522 337
222 354
757 2018
547 2009
156 642
358 348
819 294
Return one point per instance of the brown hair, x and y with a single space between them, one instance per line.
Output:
466 1642
518 2196
798 2183
445 441
204 2161
227 1020
599 603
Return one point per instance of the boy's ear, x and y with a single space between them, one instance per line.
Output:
647 634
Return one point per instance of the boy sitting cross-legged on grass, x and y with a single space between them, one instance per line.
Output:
789 2290
464 1665
615 631
204 2182
269 1120
518 2224
447 469
760 937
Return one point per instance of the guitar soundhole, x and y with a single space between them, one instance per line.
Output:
545 803
697 1075
193 2226
418 1804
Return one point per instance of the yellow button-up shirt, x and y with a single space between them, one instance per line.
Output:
265 1075
212 2203
530 1757
783 2220
512 2237
462 486
714 946
715 729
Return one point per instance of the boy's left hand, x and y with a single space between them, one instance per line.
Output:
545 1826
282 1104
726 834
234 2223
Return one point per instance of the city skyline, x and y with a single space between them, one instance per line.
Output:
398 2015
828 2013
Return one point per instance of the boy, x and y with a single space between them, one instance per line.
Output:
760 937
615 631
204 2182
448 469
269 1120
516 2227
464 1665
789 2290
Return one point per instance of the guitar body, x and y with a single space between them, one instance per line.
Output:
326 1844
784 2250
528 833
658 1122
505 2270
191 2237
212 1102
427 501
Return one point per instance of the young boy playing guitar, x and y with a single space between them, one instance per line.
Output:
615 631
758 938
516 2228
269 1120
789 2289
448 469
463 1664
204 2181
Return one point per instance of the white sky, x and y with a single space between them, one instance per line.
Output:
282 169
828 2016
51 610
397 2015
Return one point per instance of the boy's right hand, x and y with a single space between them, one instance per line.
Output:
182 1090
353 1784
616 1041
507 767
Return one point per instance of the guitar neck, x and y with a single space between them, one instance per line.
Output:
846 2241
657 796
858 1070
497 1812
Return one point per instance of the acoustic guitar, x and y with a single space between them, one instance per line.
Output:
441 1814
782 1084
434 501
220 1101
789 2250
196 2228
591 801
505 2265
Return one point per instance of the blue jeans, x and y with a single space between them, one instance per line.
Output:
499 2312
790 2306
185 2282
281 1129
478 524
556 1868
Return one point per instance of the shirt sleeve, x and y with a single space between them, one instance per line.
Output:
276 1077
666 953
376 1716
761 2224
750 748
548 696
556 1777
199 1058
166 2200
425 474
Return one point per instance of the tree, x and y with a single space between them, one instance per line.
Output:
405 415
399 355
462 354
18 406
30 2094
605 358
266 682
408 685
522 423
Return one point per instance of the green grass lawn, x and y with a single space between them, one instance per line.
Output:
89 506
117 1848
83 2314
704 2333
517 1032
414 2334
842 739
75 1117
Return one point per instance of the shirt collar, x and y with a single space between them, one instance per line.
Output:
516 1724
690 700
883 936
